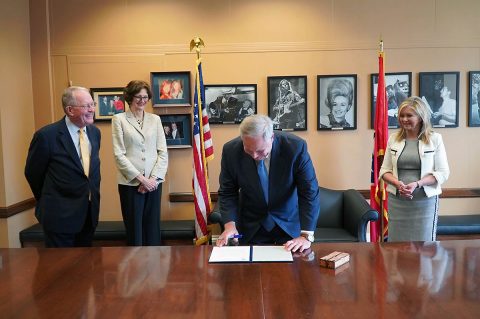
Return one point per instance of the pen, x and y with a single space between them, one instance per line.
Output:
235 236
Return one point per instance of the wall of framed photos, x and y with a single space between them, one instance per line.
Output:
112 42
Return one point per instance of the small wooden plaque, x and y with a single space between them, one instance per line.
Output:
334 260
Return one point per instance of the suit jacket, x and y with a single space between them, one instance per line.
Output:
177 135
139 150
58 182
293 187
433 158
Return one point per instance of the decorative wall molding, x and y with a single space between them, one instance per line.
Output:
256 47
19 207
447 193
185 197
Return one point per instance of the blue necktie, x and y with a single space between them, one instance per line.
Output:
263 176
268 223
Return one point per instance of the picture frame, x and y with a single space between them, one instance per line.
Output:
171 88
287 102
183 124
230 103
440 92
398 87
338 91
108 102
474 98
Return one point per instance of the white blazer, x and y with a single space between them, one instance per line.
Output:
433 160
139 150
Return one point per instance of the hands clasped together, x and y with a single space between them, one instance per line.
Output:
406 190
147 185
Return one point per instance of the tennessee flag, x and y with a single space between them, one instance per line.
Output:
378 195
202 152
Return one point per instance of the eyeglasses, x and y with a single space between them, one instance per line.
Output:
86 106
140 97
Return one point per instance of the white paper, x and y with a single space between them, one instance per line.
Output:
271 254
230 254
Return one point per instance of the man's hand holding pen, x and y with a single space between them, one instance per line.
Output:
230 234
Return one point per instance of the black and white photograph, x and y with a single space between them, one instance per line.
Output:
230 103
473 106
398 86
178 130
287 102
337 102
440 92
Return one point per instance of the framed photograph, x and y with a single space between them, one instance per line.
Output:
170 88
337 102
473 104
230 103
108 102
178 130
398 87
287 102
440 91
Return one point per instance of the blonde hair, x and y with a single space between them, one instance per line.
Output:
423 111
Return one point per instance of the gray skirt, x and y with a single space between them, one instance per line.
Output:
412 220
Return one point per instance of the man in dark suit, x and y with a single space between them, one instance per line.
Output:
63 170
279 208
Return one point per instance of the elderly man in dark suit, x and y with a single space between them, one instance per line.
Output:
268 188
63 170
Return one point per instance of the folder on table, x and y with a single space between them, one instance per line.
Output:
236 254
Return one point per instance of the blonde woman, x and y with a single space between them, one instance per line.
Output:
414 166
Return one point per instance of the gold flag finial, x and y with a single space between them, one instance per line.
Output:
196 43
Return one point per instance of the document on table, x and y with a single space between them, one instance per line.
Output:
230 254
250 254
271 254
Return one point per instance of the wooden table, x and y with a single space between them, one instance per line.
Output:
407 280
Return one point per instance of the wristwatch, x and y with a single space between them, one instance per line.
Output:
308 237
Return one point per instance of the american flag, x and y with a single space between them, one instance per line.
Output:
378 196
202 152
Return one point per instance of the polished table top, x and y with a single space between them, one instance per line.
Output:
395 280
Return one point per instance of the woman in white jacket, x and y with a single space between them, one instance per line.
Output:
414 166
141 156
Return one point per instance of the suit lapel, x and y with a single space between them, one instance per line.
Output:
66 141
93 141
131 119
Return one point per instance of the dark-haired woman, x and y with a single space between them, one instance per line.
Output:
141 157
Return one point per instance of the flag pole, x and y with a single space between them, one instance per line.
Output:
382 238
201 134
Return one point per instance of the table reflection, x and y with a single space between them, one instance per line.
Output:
143 271
471 287
417 272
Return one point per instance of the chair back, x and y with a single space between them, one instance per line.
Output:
331 208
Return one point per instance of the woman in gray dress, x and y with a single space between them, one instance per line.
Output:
414 166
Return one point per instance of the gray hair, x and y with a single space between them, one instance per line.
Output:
68 96
257 125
